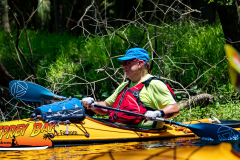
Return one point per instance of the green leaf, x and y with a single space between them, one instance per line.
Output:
79 96
105 95
194 87
179 97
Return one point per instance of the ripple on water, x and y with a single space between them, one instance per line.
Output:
78 152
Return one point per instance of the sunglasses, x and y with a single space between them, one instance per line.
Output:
126 63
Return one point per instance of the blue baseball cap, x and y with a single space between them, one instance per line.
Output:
135 53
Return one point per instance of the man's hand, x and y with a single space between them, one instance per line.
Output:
88 102
151 115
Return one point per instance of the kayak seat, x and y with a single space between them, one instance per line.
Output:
107 122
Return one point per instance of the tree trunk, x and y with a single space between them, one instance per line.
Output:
146 7
208 10
124 9
5 19
52 20
230 20
78 11
58 10
22 5
5 76
43 16
74 16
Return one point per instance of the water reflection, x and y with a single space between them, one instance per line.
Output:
79 152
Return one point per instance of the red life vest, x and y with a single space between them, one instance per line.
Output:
128 99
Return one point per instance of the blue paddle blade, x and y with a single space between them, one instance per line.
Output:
213 131
31 92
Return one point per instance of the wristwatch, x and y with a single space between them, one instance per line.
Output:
162 113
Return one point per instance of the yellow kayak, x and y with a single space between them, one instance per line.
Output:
58 129
90 130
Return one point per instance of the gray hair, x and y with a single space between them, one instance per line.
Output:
146 64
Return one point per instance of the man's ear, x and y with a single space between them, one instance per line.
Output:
140 64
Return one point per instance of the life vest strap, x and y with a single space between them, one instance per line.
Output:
147 82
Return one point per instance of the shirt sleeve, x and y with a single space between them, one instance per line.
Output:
110 100
160 94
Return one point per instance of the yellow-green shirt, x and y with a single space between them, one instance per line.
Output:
156 95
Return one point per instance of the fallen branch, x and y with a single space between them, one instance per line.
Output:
201 100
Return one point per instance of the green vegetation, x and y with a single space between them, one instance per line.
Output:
193 55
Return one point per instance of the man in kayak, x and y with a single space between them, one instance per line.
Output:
143 94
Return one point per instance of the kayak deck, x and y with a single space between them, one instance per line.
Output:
98 131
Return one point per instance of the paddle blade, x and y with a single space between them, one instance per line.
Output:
233 57
31 92
234 78
214 131
234 66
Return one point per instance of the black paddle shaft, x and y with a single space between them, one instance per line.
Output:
139 115
119 110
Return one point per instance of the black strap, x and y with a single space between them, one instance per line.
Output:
154 124
147 82
136 95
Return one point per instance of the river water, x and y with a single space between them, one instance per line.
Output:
80 152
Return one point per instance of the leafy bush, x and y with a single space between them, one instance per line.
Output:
188 52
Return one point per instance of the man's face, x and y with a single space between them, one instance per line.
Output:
131 67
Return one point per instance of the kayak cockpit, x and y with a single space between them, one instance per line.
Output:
133 128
